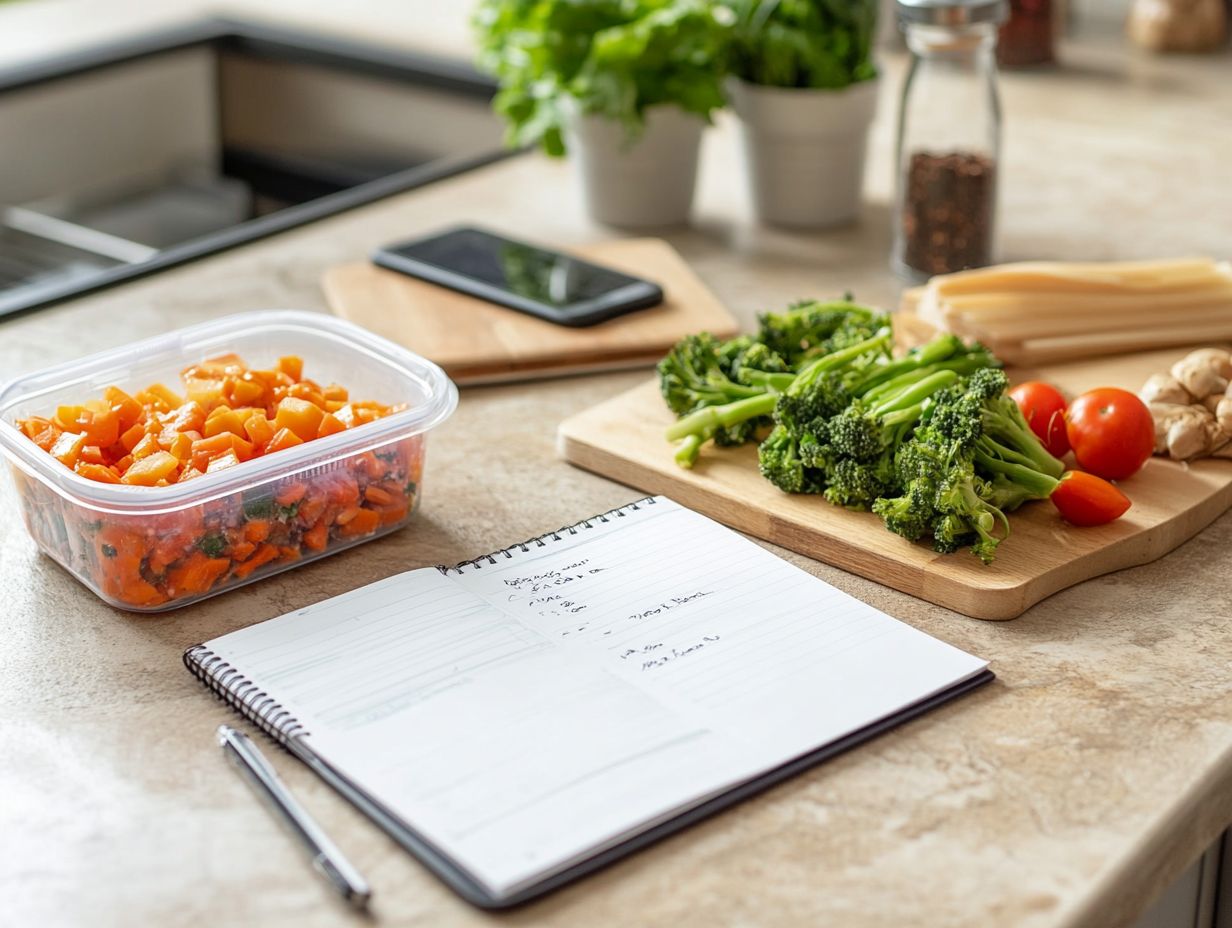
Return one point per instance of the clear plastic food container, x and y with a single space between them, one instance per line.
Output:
150 549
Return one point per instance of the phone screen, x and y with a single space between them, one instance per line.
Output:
537 274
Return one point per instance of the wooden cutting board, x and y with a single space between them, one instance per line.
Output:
477 342
623 439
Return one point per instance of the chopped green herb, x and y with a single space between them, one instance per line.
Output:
259 508
389 457
411 488
109 551
213 545
287 513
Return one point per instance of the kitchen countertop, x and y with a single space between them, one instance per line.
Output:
1068 793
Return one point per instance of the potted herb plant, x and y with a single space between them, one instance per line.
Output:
626 85
804 85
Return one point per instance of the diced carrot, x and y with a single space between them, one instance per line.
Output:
188 417
66 417
394 514
283 438
317 536
168 396
140 592
196 574
311 509
224 420
378 496
147 446
364 522
330 425
222 443
305 391
149 470
242 550
300 416
290 494
32 426
181 446
248 393
344 491
223 461
292 366
258 429
102 428
96 472
229 414
257 530
132 435
48 437
127 409
263 555
67 448
204 390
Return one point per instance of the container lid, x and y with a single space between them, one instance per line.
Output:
951 12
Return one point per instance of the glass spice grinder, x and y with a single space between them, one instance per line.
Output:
949 133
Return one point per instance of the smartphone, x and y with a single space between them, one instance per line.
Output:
530 279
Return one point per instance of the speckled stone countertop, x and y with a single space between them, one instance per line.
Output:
1068 793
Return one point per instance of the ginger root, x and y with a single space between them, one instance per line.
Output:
1192 406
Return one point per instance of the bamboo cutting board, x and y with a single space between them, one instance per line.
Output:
478 342
623 439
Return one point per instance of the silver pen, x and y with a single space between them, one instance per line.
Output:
327 860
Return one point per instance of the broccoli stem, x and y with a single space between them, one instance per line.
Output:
687 452
712 418
939 349
777 382
1040 485
1018 436
968 364
812 370
916 393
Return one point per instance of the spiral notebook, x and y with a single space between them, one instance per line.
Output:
521 719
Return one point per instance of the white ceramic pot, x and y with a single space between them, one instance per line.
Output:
644 182
804 150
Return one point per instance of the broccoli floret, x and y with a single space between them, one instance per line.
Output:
779 460
748 362
973 459
692 376
709 419
910 515
810 328
858 485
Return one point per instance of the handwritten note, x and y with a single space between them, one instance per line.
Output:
528 711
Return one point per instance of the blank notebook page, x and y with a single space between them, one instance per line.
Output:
525 713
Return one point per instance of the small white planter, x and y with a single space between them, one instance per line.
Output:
639 183
805 150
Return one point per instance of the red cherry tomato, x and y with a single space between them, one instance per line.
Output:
1084 499
1043 407
1111 432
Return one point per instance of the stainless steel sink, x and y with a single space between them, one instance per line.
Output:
129 158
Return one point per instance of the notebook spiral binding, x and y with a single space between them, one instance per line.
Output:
237 691
541 541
